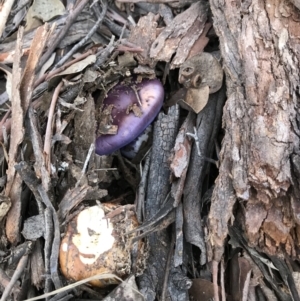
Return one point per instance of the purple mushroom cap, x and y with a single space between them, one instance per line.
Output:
130 126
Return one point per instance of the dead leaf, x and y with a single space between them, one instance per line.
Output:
46 66
31 22
62 138
90 76
46 10
202 290
34 227
195 99
171 39
75 68
200 71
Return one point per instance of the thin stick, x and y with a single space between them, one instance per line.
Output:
48 135
19 270
69 21
168 267
5 280
195 137
73 285
86 38
215 279
222 280
88 157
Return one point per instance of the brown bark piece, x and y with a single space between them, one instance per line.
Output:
22 89
37 266
17 129
181 157
189 40
143 35
171 39
255 216
201 42
85 124
258 43
13 188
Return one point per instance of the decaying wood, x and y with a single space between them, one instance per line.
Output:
208 123
172 38
17 133
52 235
260 120
151 281
181 157
265 265
143 35
22 91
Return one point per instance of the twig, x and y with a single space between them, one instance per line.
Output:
56 239
73 285
122 32
4 13
88 157
103 54
48 135
37 146
33 183
47 248
5 280
115 28
116 16
62 297
56 40
222 281
128 176
215 279
141 193
168 267
88 36
137 95
18 272
195 137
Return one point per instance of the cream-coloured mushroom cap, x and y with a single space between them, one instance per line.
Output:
93 244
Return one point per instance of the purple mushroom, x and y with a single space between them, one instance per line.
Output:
135 107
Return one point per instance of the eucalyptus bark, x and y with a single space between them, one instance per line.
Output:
259 171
